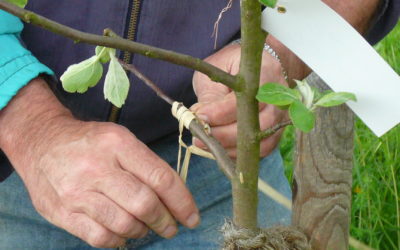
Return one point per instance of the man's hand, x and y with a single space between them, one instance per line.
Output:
94 179
217 103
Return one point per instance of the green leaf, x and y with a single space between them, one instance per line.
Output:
116 84
269 3
79 77
19 3
301 116
104 53
277 94
335 98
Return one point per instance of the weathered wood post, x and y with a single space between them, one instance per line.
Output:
323 177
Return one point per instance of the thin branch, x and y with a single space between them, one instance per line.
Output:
224 162
114 113
147 81
197 64
270 131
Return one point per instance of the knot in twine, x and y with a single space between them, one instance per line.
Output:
275 238
185 117
182 114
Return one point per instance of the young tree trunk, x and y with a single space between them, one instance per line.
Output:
244 185
323 177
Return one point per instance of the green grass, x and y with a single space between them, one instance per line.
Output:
375 210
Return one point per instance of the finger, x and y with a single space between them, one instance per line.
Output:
199 143
207 90
269 144
88 230
271 116
266 146
49 205
139 160
107 213
140 201
232 152
219 112
211 92
227 134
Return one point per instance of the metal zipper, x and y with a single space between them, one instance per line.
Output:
127 56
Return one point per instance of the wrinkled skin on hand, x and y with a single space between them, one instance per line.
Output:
95 179
217 103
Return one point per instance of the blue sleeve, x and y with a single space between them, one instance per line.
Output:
17 65
386 18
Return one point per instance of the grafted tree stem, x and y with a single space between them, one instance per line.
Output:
244 185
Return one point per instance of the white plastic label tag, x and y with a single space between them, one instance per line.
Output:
340 56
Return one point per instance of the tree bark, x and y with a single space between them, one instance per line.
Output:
323 177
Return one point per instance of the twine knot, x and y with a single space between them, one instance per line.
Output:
274 238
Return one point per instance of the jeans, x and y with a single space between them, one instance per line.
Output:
21 227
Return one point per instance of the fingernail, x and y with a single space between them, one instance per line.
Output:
203 117
193 220
169 232
195 107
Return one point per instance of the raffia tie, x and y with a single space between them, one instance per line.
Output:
185 117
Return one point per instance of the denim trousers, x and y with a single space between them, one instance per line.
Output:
21 227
